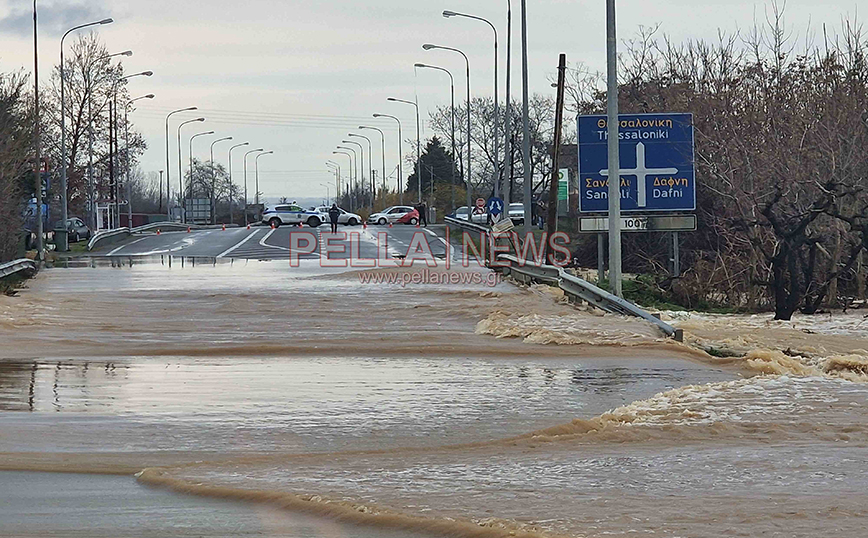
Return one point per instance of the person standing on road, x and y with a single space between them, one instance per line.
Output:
334 213
423 214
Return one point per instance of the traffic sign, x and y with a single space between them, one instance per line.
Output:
495 206
657 164
480 202
649 223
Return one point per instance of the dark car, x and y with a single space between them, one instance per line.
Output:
76 229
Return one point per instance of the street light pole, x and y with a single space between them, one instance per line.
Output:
127 155
231 184
115 118
507 143
256 175
246 222
383 137
528 188
452 90
418 144
467 174
37 142
353 182
180 172
400 156
370 167
328 196
191 160
448 14
91 186
350 174
64 210
214 181
360 178
168 166
337 170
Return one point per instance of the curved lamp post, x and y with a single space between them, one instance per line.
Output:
206 133
214 181
449 14
64 210
350 158
127 155
429 46
354 176
418 143
383 137
180 172
246 203
452 86
168 167
336 168
370 166
231 184
256 176
400 155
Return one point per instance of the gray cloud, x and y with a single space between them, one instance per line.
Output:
54 17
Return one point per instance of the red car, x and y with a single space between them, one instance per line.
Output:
410 218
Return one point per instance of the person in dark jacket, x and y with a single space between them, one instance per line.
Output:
423 213
334 213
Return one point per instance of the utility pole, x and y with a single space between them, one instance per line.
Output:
37 142
552 219
528 188
161 192
614 156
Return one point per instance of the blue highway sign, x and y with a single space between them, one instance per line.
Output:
657 172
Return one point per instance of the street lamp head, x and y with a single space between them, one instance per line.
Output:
126 53
429 46
147 73
199 119
419 65
208 133
107 21
149 96
391 99
448 14
378 115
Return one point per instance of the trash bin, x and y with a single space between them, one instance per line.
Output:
432 215
61 239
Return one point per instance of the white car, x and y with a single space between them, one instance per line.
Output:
516 213
291 214
478 216
347 218
400 214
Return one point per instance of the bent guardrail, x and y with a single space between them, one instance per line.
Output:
110 236
466 225
23 265
574 286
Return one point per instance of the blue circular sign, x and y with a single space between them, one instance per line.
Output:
495 206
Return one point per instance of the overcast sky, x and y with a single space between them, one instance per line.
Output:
296 76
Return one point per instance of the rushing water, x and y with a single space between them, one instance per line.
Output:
430 408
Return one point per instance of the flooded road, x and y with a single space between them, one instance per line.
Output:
431 409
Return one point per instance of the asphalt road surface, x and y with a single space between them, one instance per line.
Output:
263 243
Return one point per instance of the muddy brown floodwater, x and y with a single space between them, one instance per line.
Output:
453 410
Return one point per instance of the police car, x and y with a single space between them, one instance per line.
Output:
291 214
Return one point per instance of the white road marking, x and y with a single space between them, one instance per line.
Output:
123 246
232 249
278 247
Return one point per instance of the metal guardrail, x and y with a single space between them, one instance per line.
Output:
576 287
165 226
102 237
466 225
17 266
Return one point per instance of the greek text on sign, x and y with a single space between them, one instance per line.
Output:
657 166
